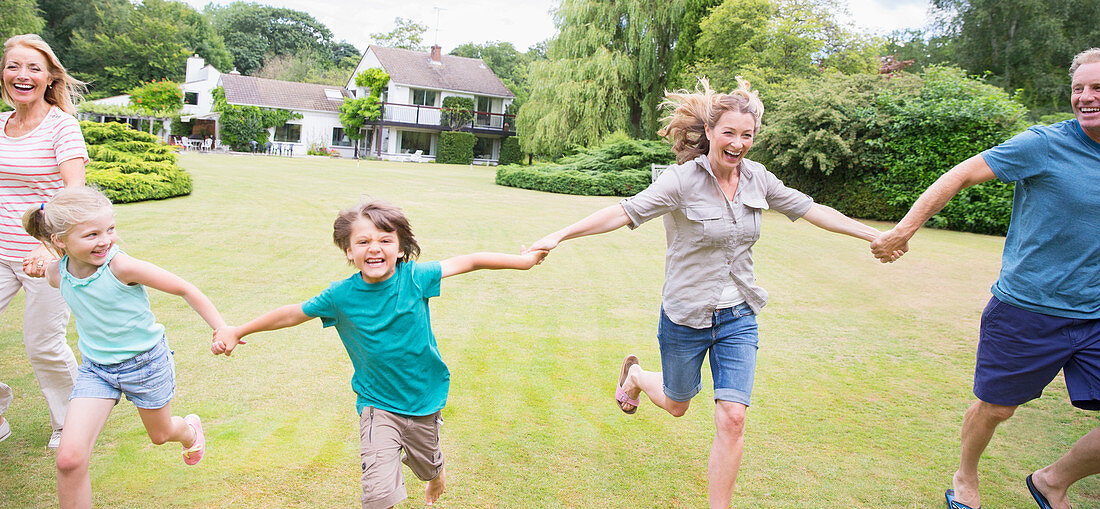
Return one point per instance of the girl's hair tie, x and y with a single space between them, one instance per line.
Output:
42 207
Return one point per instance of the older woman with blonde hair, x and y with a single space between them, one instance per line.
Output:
712 202
41 152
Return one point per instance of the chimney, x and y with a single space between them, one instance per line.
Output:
194 68
437 55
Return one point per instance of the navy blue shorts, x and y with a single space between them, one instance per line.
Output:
1020 352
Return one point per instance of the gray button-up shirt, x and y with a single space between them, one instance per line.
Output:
709 238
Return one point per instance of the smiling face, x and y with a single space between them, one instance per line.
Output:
730 138
1085 98
87 243
26 75
374 251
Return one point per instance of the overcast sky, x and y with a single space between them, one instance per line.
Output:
520 22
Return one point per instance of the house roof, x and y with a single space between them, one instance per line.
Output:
459 74
288 95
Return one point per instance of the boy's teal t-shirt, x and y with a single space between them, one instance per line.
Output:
387 331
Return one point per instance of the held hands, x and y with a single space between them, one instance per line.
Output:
890 245
544 244
532 257
34 265
225 340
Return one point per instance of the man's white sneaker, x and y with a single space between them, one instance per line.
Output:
5 430
55 440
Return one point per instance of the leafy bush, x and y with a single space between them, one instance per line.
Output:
243 124
457 112
510 152
179 127
129 165
619 167
870 145
157 96
456 147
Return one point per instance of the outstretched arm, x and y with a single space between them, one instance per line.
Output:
828 218
130 270
604 220
970 172
477 261
227 338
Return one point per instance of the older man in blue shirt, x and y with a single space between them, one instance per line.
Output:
1044 316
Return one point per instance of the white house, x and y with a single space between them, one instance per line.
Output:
412 102
413 99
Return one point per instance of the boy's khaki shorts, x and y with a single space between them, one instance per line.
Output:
383 436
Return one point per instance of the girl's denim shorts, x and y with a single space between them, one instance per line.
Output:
731 341
148 379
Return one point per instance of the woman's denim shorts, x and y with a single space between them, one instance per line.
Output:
147 379
731 341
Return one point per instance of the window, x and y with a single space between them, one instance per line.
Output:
423 97
411 141
291 133
484 105
339 139
190 98
483 148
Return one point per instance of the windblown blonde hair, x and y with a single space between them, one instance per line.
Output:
692 112
1089 56
64 90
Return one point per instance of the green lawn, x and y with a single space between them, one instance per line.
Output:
863 376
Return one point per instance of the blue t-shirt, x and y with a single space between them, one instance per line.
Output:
1051 261
387 331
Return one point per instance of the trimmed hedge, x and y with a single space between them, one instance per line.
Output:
456 147
130 166
619 167
510 153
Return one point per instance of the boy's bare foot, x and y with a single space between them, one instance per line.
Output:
435 488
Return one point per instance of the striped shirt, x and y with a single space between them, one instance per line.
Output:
29 174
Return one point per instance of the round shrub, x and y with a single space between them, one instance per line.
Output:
130 166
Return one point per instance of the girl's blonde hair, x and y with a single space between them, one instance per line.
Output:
692 112
64 90
385 216
69 207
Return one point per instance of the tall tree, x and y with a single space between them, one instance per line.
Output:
20 17
1025 44
65 18
769 41
406 34
605 71
253 31
149 41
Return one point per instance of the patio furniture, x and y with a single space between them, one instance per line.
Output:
206 144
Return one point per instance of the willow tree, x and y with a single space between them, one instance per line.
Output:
606 71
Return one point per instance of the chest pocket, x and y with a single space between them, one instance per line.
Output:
708 225
751 222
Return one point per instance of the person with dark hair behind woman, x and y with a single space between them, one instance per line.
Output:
711 202
41 152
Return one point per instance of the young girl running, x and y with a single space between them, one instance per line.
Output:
124 349
381 315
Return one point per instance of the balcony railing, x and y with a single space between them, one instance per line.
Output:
432 116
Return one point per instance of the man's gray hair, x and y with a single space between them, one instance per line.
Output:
1089 56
